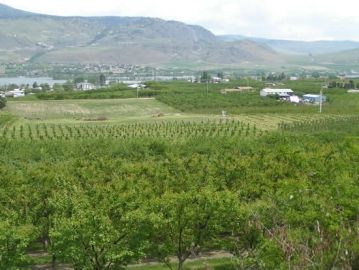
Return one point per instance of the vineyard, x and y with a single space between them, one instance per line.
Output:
350 124
169 130
237 126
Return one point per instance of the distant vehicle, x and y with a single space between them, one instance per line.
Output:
294 99
313 98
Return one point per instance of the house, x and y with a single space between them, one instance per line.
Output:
19 93
276 92
85 86
216 80
294 78
312 98
15 93
2 94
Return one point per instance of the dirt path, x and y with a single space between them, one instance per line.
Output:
204 256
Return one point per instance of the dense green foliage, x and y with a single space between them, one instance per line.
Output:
278 201
117 91
194 98
191 97
214 102
102 195
2 102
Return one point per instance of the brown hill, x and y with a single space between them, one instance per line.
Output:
30 37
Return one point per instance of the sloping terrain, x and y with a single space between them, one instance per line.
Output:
349 57
299 47
33 37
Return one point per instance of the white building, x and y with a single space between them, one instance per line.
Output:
15 93
2 94
276 92
19 93
85 86
216 80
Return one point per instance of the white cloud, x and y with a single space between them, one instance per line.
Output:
305 19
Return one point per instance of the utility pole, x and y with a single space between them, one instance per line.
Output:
321 97
137 91
321 100
207 86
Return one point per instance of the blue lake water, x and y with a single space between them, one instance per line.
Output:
30 81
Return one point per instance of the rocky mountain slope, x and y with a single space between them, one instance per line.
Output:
30 37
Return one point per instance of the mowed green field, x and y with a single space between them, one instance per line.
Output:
86 110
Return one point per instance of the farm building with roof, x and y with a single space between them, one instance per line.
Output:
276 92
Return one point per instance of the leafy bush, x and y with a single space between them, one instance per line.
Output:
2 102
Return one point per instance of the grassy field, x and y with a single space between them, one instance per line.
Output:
86 110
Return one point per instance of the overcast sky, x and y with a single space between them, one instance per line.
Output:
286 19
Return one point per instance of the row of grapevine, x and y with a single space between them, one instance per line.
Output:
170 130
348 123
5 119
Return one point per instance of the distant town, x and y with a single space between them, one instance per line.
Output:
18 80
